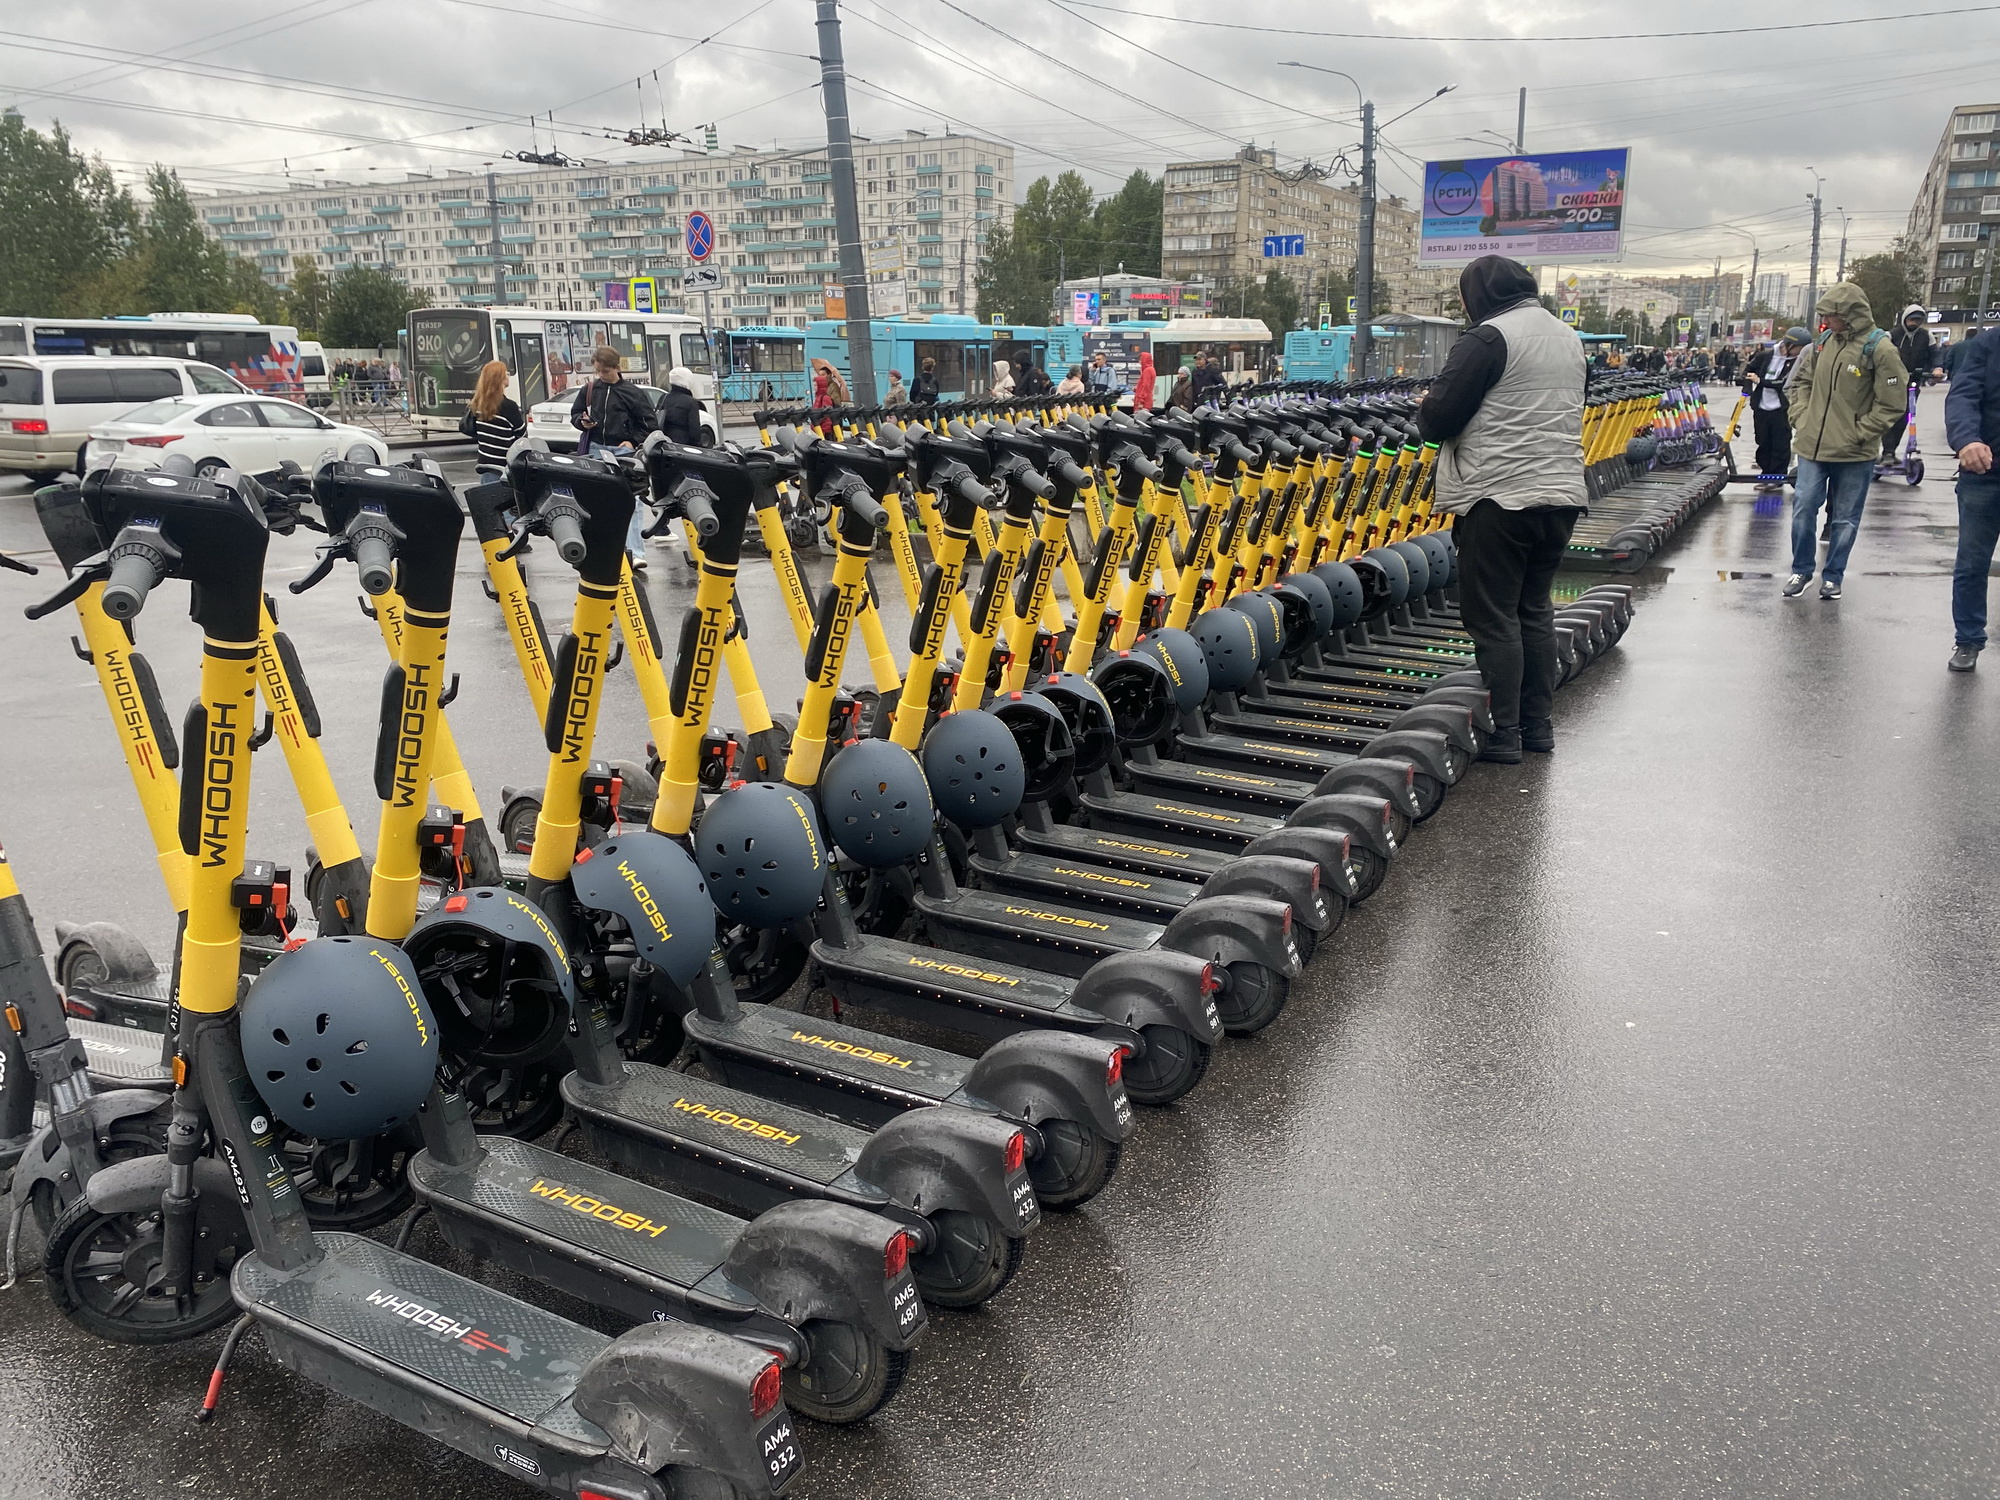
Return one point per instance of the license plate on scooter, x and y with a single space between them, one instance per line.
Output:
779 1444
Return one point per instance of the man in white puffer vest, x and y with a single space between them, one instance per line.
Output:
1507 414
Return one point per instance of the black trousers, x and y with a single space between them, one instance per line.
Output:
1774 440
1507 560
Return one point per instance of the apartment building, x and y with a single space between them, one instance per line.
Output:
557 234
1956 214
1216 214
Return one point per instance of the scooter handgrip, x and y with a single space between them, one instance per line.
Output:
1144 467
1037 484
971 490
133 575
867 507
698 505
375 556
566 531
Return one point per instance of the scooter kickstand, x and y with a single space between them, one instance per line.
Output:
236 1331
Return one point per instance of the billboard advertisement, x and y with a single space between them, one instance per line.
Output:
1564 206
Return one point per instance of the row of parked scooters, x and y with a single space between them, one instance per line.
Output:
1176 692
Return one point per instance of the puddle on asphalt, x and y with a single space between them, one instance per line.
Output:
1725 576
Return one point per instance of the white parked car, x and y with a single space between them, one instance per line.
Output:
51 403
247 433
549 420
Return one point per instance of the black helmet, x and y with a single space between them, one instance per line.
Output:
1089 716
1298 628
1185 662
1344 585
339 1038
761 854
1391 562
1267 618
1317 596
1229 641
877 804
1442 556
496 975
974 768
1378 589
651 882
1418 562
1139 690
1041 734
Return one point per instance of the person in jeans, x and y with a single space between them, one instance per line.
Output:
1507 413
1764 384
1846 392
1972 429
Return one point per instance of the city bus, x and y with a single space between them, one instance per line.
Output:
963 350
263 356
546 354
764 364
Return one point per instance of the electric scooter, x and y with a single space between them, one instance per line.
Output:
168 1246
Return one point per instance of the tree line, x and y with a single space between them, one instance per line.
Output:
73 243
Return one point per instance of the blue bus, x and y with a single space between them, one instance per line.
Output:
765 365
963 348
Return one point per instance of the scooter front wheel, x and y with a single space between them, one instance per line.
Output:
102 1267
1916 471
1173 1062
970 1262
846 1375
1075 1164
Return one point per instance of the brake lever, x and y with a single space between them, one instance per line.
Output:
90 570
330 554
517 535
17 565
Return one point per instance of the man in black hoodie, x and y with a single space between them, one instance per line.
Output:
1507 413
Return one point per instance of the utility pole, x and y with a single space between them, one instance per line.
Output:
1986 277
1812 275
1750 292
846 205
1364 262
1521 124
1841 274
499 262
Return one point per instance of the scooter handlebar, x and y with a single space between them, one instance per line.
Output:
566 531
133 575
698 507
375 559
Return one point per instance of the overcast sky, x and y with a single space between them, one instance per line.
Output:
1725 129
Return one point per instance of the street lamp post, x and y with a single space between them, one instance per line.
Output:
1812 275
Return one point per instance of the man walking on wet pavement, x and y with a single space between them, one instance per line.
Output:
1507 412
1847 391
1972 428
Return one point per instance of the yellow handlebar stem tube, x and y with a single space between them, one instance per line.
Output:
327 824
1198 551
643 650
696 666
1052 535
791 584
571 731
133 705
933 616
212 942
451 784
900 549
1114 545
524 632
1002 560
398 875
1140 581
848 598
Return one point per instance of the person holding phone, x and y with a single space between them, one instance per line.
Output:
611 414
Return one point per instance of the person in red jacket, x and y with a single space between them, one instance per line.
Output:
1142 386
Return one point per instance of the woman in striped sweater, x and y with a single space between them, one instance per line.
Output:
494 420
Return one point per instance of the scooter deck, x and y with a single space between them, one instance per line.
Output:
1068 841
1277 754
881 971
1360 711
429 1333
640 1243
859 1075
1272 795
121 1057
715 1125
1153 814
1143 895
1034 929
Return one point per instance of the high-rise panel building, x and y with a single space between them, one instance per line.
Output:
1956 215
557 234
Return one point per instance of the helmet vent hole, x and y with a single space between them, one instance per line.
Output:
322 1023
357 1049
275 1075
348 1088
278 1035
313 1065
307 1101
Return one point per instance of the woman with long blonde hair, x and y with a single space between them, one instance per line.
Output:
493 420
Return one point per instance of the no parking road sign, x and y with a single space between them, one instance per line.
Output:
700 235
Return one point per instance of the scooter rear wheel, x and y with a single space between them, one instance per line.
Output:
99 1265
846 1376
1075 1164
1172 1064
970 1263
1254 998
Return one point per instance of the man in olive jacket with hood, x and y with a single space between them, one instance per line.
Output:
1847 391
1507 413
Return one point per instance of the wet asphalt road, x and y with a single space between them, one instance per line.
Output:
1635 1141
